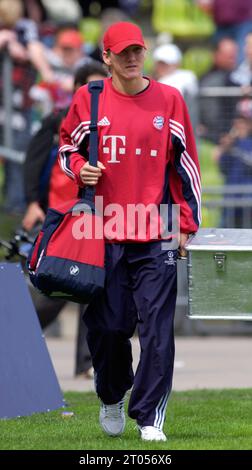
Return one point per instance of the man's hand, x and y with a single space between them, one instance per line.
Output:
183 239
90 175
33 215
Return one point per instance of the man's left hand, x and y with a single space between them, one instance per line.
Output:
183 239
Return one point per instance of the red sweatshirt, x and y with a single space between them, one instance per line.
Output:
147 145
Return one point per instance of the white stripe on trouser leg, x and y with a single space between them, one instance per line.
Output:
160 411
95 380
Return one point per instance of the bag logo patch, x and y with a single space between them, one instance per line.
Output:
74 270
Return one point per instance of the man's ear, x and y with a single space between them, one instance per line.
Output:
106 57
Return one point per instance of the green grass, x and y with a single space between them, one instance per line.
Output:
202 419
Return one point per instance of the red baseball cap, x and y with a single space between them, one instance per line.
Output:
70 38
121 35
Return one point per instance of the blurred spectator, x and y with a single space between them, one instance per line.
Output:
35 10
233 18
45 184
167 69
64 58
234 155
216 112
68 49
19 38
242 76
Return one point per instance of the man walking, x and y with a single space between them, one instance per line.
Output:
147 157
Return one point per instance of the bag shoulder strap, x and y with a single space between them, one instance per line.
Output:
95 87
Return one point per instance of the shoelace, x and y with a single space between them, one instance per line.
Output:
113 411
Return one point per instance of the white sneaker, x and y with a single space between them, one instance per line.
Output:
151 433
112 418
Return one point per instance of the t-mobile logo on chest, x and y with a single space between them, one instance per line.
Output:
118 147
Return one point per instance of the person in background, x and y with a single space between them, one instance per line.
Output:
19 39
216 113
46 185
35 10
234 155
147 156
68 52
66 55
167 69
242 75
233 18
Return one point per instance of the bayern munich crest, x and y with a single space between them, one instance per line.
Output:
158 122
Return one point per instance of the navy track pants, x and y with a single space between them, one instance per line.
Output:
140 290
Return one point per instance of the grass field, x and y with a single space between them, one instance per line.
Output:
203 419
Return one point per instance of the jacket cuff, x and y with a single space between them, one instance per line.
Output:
76 164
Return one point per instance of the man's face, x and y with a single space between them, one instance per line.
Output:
226 54
70 55
128 64
242 127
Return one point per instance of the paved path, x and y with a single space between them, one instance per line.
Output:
201 362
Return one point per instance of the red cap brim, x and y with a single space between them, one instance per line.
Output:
124 44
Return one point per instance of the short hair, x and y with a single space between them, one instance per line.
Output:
90 68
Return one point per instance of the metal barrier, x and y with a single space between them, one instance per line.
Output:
14 99
15 128
217 109
234 204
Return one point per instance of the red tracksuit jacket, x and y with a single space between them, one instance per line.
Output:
147 145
